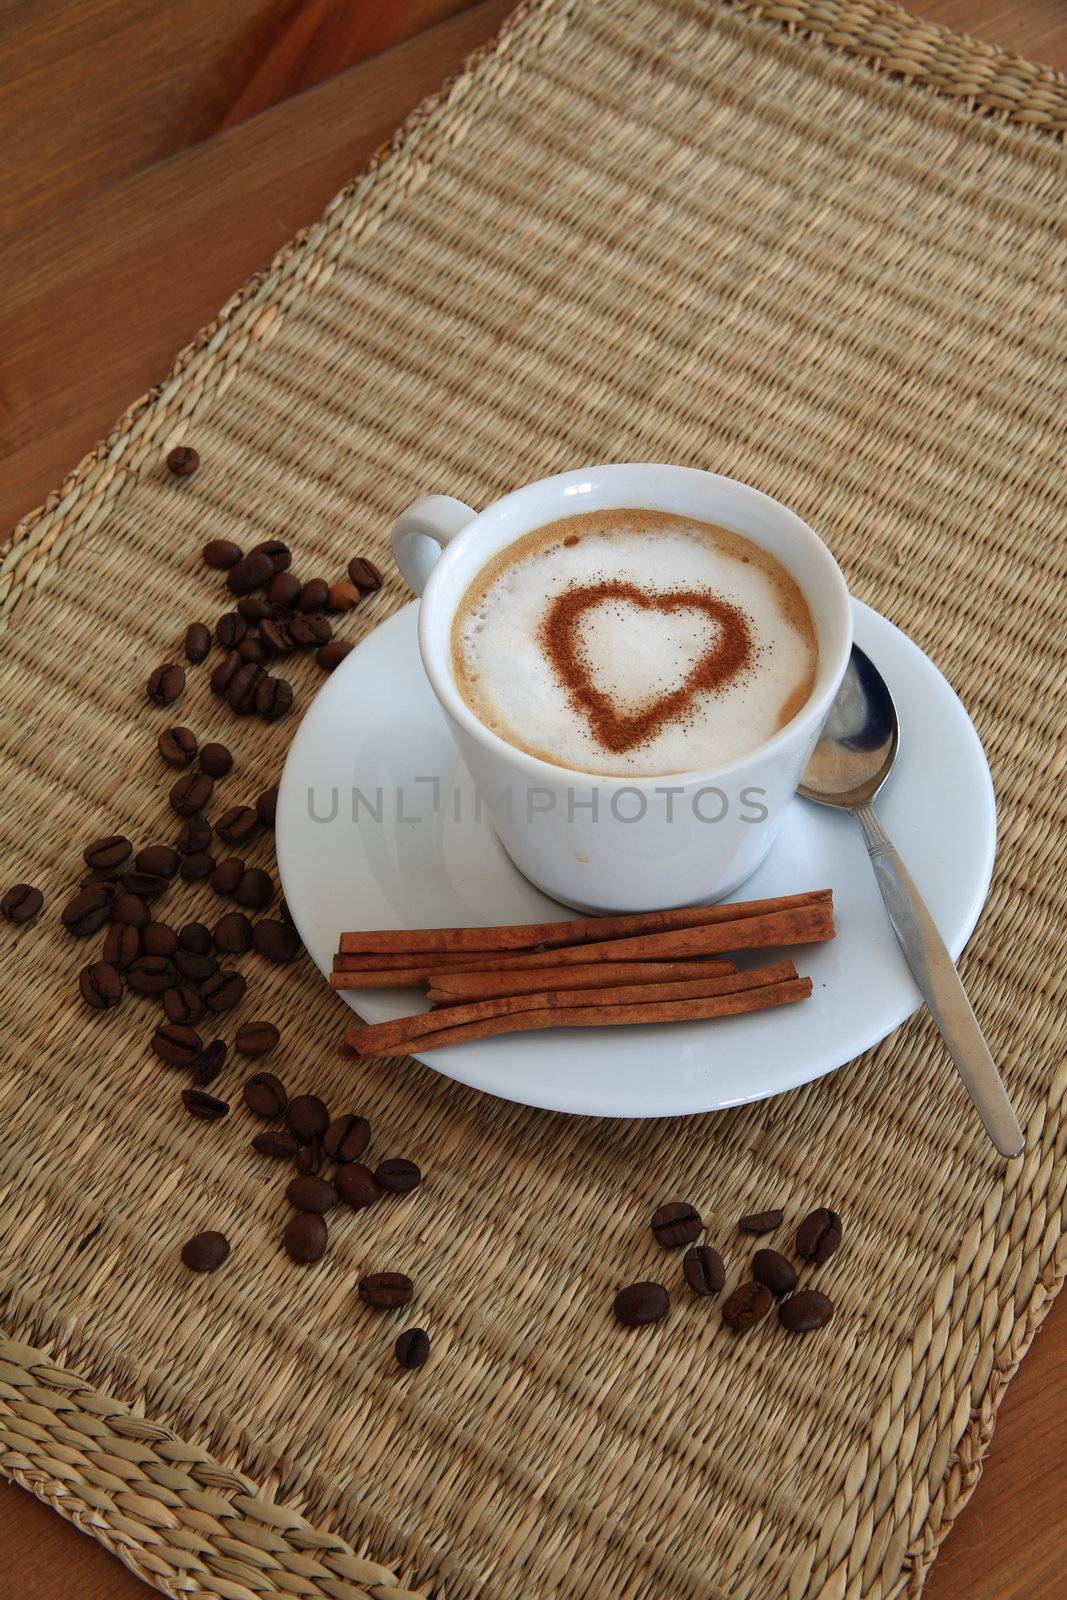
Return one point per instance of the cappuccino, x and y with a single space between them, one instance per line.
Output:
634 643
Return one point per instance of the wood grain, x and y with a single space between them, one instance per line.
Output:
91 90
108 277
99 296
322 37
1036 29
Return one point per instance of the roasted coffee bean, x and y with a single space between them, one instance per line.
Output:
209 1063
760 1221
101 880
640 1303
223 990
250 573
146 885
277 1145
276 636
278 553
182 461
104 855
237 825
274 698
233 934
256 1038
182 1004
255 890
166 683
266 806
364 574
306 1237
284 590
225 672
158 940
198 866
230 629
264 1094
194 967
205 1252
819 1235
805 1311
773 1269
398 1175
343 596
276 940
197 643
22 903
307 1117
196 937
122 945
310 1158
749 1304
241 695
101 985
313 595
675 1224
311 1194
357 1185
194 836
310 632
385 1290
215 760
347 1137
254 608
191 793
262 656
703 1269
150 975
331 655
222 553
158 860
204 1106
87 912
285 914
131 908
176 1044
412 1348
227 875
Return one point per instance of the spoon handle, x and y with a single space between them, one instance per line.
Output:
933 970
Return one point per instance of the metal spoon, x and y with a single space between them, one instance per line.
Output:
850 763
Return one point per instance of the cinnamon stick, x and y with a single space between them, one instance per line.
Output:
391 978
402 1030
376 1039
805 924
446 987
413 961
546 935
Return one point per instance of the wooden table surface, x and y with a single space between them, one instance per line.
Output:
106 275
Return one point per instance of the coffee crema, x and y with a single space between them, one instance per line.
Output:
634 643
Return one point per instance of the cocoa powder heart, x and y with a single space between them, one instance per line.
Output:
617 730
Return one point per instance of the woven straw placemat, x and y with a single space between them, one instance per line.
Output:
818 246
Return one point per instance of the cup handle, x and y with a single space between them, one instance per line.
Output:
417 531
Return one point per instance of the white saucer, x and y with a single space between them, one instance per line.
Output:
430 862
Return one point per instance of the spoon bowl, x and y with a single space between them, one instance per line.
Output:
859 739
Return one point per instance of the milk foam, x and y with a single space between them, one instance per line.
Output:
634 653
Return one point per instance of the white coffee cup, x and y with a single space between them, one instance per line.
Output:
624 843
